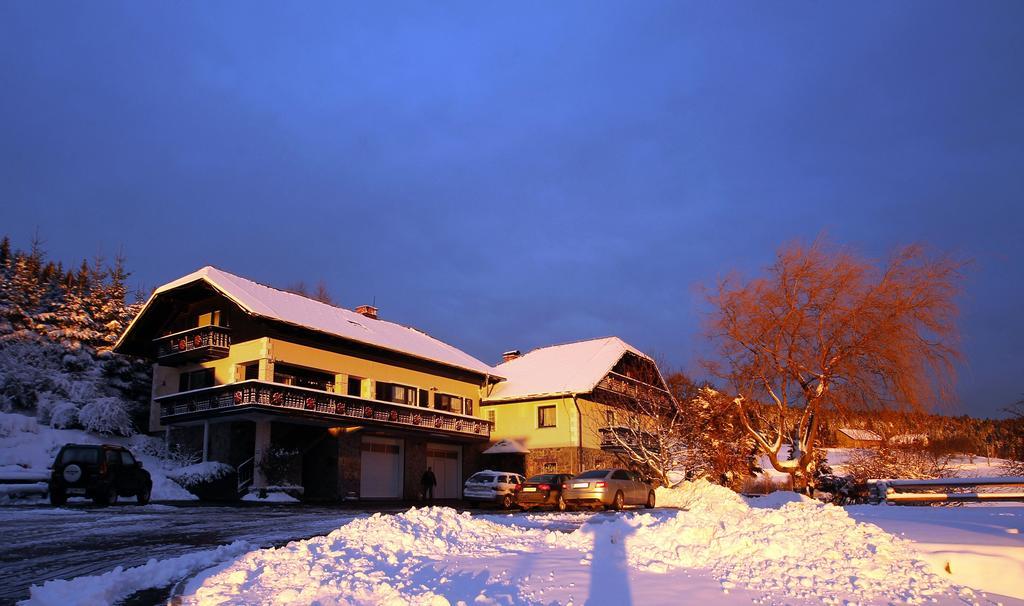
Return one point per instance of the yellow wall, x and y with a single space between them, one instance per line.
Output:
228 370
301 355
518 421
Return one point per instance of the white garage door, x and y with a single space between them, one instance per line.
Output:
381 468
446 461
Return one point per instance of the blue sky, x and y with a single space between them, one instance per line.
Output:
514 176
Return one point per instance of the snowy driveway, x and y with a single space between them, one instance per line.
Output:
42 543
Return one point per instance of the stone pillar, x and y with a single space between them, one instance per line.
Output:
341 383
369 389
266 372
259 478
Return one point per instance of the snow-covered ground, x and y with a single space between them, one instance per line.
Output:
960 466
27 447
720 549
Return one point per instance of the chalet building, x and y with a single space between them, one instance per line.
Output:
857 438
559 406
291 391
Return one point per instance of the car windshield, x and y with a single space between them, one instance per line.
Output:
85 455
544 478
590 475
481 477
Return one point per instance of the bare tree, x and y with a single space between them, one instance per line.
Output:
646 427
1015 467
826 328
322 293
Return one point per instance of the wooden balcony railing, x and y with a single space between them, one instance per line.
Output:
329 407
194 344
633 388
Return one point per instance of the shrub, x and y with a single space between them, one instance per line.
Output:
897 461
106 416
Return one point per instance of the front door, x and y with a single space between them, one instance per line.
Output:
446 462
381 468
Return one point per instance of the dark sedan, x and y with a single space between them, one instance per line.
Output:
544 490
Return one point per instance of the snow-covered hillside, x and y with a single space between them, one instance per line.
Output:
27 446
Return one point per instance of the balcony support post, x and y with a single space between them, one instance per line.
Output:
206 440
262 448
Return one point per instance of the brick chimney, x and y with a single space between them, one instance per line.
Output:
367 310
510 355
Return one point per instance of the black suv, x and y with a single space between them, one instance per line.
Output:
101 473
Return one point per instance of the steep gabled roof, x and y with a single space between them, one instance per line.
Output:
560 369
297 310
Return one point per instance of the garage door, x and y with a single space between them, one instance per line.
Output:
446 461
381 468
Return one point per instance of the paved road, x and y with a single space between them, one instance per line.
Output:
42 543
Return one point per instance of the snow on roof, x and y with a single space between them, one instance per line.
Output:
301 311
860 434
507 446
560 369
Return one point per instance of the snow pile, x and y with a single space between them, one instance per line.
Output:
803 550
272 496
373 560
200 473
778 499
13 424
119 583
699 496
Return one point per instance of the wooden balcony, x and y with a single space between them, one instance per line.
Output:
193 345
633 388
314 405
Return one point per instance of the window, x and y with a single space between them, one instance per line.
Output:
287 374
467 406
112 457
252 371
355 387
620 475
127 458
187 381
545 416
593 475
209 319
443 401
399 394
490 416
609 417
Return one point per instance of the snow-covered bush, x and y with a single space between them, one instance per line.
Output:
174 456
1013 468
64 415
107 416
200 473
897 461
282 466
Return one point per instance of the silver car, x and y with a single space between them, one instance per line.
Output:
608 488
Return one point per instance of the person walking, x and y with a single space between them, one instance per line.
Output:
429 480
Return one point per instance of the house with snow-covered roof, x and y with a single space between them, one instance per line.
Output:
562 404
354 406
847 437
